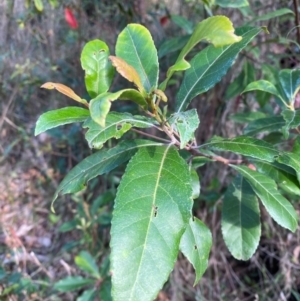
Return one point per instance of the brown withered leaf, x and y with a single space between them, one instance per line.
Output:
64 90
127 71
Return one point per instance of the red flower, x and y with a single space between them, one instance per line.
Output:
71 20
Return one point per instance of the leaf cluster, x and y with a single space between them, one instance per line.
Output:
152 218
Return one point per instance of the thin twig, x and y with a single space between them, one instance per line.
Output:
225 161
151 136
5 110
297 19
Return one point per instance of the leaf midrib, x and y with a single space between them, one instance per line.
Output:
98 75
151 213
204 73
120 122
106 159
270 195
237 143
140 63
267 125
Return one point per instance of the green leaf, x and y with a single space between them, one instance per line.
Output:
217 30
186 124
195 244
244 145
278 207
292 160
172 45
136 47
183 23
272 14
241 219
117 124
105 290
86 262
152 209
52 119
292 119
247 117
100 106
264 86
72 283
286 181
290 84
268 124
87 295
39 5
232 3
195 183
99 163
53 3
209 66
99 72
246 76
200 161
296 147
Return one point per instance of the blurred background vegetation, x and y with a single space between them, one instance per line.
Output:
40 41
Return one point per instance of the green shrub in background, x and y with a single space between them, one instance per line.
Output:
152 217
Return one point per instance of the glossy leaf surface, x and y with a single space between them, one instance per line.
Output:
52 119
99 163
195 183
186 124
64 90
241 219
292 119
286 181
136 47
209 66
100 106
268 124
277 206
290 83
195 244
262 85
245 146
292 160
267 87
151 212
99 72
217 30
117 124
